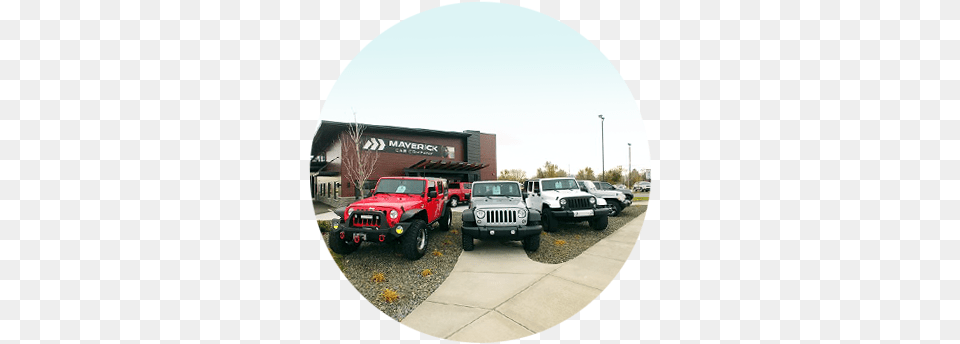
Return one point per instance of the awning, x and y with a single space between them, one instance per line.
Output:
443 165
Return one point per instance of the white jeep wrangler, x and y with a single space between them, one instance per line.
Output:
560 199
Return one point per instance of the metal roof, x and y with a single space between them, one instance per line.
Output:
446 165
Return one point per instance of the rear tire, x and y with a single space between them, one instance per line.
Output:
531 243
467 242
454 202
549 223
414 242
599 223
445 220
616 207
340 246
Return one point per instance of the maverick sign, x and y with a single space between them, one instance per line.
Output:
407 147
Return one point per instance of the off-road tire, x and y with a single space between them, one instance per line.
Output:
599 223
616 207
340 246
411 244
454 202
549 223
445 220
531 243
467 242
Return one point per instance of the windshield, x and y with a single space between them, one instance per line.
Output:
401 186
497 190
606 186
560 184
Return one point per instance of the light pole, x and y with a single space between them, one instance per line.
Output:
629 165
602 162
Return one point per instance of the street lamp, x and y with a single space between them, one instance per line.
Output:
629 165
602 168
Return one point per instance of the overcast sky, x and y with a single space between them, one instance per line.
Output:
524 76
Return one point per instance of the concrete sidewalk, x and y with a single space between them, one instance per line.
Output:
496 293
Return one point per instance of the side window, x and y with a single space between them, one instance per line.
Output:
536 186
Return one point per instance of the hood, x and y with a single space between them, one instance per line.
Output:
387 201
607 193
565 193
497 202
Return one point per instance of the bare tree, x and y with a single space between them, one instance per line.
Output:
362 161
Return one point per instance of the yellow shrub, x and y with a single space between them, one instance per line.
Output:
378 277
389 296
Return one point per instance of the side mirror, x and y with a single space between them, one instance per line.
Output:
432 194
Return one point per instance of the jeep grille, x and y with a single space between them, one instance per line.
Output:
501 216
366 220
579 203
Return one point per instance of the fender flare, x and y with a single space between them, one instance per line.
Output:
409 214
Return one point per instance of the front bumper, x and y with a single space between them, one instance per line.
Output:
370 234
584 214
501 232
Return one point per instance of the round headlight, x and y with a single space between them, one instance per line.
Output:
621 196
593 200
479 214
393 214
349 211
522 213
563 201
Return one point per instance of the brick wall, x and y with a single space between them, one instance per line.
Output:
392 164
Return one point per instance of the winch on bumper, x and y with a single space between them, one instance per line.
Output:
365 225
501 232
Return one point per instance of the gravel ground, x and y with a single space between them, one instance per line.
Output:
577 237
404 276
401 275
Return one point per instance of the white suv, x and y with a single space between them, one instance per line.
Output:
560 199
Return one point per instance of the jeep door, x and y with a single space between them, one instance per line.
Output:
435 204
533 195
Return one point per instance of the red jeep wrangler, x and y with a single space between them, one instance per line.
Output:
401 208
460 192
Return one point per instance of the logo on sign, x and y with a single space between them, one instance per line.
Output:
406 147
374 144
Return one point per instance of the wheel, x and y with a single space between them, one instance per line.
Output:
454 202
531 243
599 223
467 242
414 241
341 246
616 207
445 220
549 223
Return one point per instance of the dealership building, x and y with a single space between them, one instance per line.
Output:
466 156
